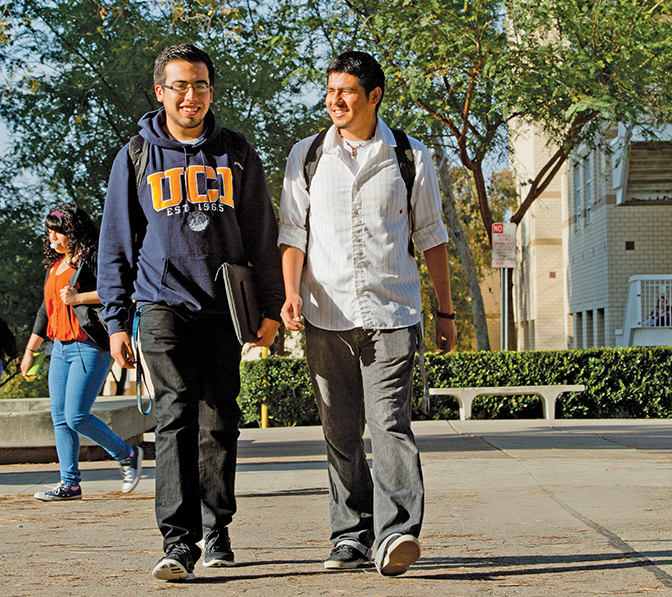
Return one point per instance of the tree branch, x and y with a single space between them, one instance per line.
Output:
93 67
553 165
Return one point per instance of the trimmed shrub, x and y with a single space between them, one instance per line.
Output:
284 386
620 383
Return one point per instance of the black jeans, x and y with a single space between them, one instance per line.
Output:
192 366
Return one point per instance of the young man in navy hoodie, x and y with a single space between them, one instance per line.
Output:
163 238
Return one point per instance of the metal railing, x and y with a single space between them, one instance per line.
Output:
656 302
648 312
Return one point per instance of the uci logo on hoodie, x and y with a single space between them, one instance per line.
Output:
203 185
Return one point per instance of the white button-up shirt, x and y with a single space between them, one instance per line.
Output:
354 230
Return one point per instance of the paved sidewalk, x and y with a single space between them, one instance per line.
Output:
514 508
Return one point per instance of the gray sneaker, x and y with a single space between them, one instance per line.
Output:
396 554
131 469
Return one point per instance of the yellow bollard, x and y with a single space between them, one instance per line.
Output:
264 415
264 406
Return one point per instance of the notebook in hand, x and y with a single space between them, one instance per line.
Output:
242 297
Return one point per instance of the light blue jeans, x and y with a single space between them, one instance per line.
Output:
76 374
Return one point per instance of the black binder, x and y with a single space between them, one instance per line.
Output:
242 297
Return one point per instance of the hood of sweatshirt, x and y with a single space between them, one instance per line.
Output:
153 129
184 220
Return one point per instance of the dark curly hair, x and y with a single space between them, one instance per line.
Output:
75 223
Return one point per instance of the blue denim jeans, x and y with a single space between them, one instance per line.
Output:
365 376
76 374
192 365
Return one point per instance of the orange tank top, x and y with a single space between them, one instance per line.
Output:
63 324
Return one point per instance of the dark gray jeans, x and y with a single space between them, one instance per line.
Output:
365 376
192 362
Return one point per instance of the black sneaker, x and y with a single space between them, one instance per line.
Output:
177 564
218 553
131 469
61 492
345 556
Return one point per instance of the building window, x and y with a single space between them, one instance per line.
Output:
590 332
587 184
578 330
577 195
600 323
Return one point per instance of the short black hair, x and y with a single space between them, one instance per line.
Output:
75 223
363 67
181 52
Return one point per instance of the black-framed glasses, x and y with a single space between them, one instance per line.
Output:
182 88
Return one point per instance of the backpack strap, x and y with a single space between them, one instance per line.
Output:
234 143
236 147
138 150
404 155
313 157
407 167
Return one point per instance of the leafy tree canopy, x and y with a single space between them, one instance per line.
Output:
76 78
566 65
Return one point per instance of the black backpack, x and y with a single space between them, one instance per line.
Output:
404 157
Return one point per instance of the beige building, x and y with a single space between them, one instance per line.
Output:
538 293
595 250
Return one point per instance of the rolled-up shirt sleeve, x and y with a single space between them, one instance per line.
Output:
428 227
295 201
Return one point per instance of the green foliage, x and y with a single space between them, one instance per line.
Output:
620 383
21 270
566 66
76 78
20 387
284 386
80 72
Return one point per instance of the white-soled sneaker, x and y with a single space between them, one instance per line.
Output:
131 469
176 565
217 552
347 556
396 554
61 492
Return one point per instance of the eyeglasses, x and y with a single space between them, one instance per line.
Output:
183 88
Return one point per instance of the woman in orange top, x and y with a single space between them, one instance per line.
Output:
78 366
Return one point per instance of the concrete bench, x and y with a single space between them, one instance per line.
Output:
27 433
548 395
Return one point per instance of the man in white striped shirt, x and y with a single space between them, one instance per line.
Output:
348 271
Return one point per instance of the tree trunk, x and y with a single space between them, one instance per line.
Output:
459 237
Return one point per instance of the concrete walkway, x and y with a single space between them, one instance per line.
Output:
513 508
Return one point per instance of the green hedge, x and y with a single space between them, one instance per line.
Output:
20 387
284 385
620 383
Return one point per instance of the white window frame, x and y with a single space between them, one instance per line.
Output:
576 190
588 185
